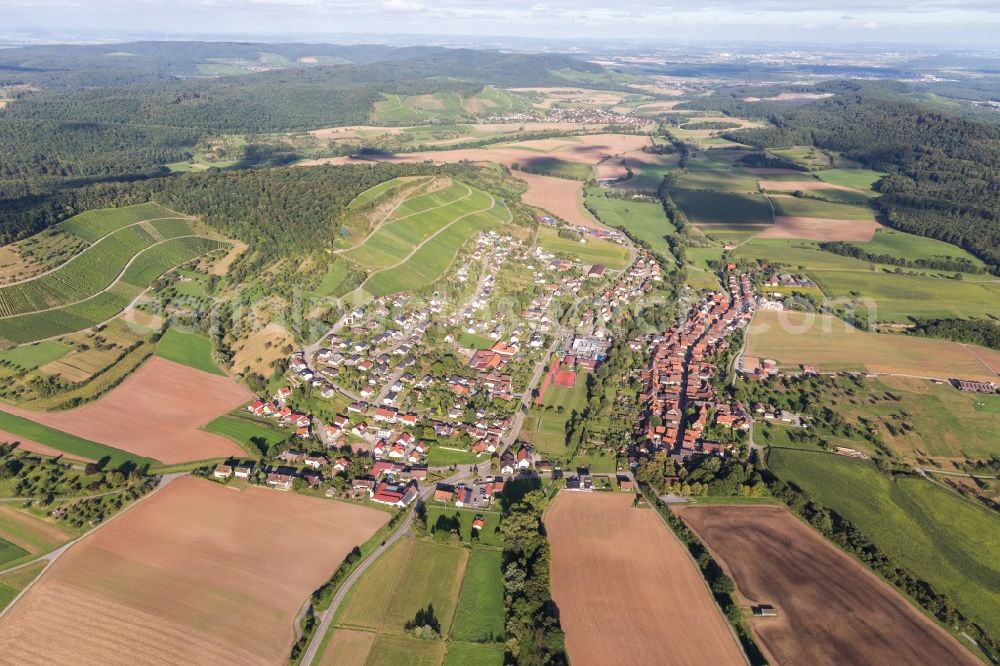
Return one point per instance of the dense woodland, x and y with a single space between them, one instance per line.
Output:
139 115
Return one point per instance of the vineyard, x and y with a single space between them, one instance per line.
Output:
94 269
130 247
95 224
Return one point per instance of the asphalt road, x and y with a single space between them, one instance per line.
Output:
327 616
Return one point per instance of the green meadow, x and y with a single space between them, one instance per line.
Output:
645 219
724 208
900 296
29 357
859 179
190 349
480 614
594 251
66 442
254 437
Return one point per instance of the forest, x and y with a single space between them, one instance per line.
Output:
54 138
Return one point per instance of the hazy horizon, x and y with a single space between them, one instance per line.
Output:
941 23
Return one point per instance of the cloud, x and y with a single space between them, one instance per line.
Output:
402 5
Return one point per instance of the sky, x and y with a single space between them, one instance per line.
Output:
974 23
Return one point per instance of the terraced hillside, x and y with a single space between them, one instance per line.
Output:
125 250
422 234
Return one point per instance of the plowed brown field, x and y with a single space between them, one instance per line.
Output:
831 610
627 591
198 574
821 229
559 196
156 412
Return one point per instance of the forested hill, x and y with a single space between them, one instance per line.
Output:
944 171
54 137
72 66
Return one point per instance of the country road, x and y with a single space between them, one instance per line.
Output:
326 617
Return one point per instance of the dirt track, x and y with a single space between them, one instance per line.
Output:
626 589
155 412
198 574
831 609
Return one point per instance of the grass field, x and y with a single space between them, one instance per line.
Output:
546 429
189 349
942 538
645 219
473 654
795 338
62 441
396 649
407 578
859 179
648 171
908 246
446 457
722 208
480 614
30 533
594 251
489 535
12 583
799 254
253 437
9 552
29 357
898 297
704 175
807 156
596 463
804 207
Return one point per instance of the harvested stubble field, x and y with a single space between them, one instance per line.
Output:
588 149
830 608
648 605
821 229
800 185
156 412
196 574
829 344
